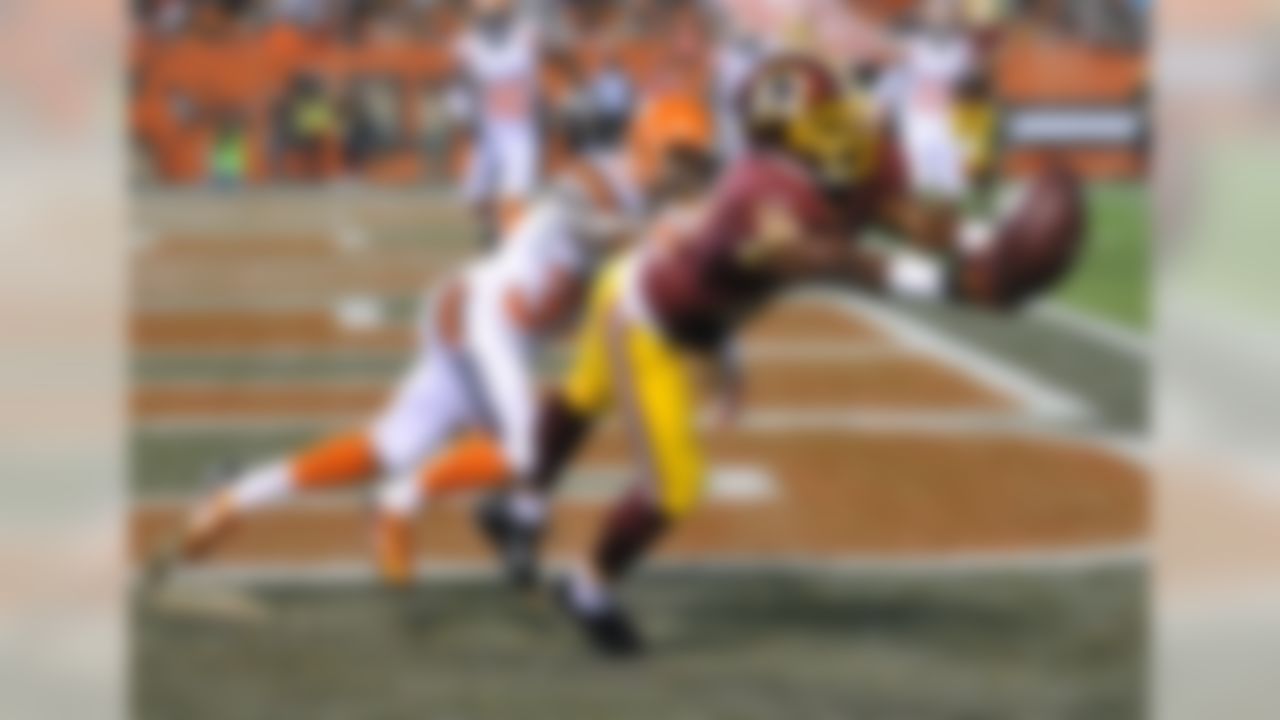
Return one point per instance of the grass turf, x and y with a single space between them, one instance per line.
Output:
1112 279
745 646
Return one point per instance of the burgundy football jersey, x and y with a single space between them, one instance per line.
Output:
703 285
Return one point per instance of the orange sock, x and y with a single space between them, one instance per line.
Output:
474 462
343 460
393 547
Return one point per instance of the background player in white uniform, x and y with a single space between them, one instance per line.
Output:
920 93
499 64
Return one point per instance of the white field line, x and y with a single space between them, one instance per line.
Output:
1047 403
592 485
281 302
942 423
732 483
275 352
1041 561
799 351
1042 398
760 352
1114 336
776 421
356 313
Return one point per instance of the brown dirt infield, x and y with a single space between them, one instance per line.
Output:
269 279
840 495
320 330
890 383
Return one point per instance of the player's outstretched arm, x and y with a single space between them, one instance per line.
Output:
998 279
905 276
1024 255
929 225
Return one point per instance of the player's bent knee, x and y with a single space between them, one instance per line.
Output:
584 398
680 495
396 450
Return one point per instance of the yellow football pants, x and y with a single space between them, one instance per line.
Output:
621 360
975 124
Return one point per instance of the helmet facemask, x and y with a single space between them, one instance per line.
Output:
830 139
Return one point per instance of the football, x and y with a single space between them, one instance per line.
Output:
1042 234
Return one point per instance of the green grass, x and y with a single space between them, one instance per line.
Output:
757 646
1112 280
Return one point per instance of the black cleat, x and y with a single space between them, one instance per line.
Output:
609 630
517 543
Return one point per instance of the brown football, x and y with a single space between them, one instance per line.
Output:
1040 239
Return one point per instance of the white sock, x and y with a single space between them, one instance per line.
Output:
263 486
587 594
527 507
401 496
975 236
915 277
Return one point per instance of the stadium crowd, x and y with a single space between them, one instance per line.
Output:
227 92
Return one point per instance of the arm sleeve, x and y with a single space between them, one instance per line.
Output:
595 227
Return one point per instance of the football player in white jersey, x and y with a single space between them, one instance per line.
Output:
481 330
529 289
498 61
920 94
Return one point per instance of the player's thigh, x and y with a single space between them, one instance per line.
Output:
936 161
427 408
520 161
587 387
505 382
481 179
949 179
657 397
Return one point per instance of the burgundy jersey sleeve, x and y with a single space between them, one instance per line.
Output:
774 200
886 180
721 272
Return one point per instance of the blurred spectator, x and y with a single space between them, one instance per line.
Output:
324 87
1104 22
310 128
1109 22
438 127
229 152
371 115
614 99
598 105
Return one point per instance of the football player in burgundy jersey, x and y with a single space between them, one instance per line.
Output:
792 209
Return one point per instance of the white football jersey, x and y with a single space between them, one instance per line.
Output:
503 69
563 231
933 67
